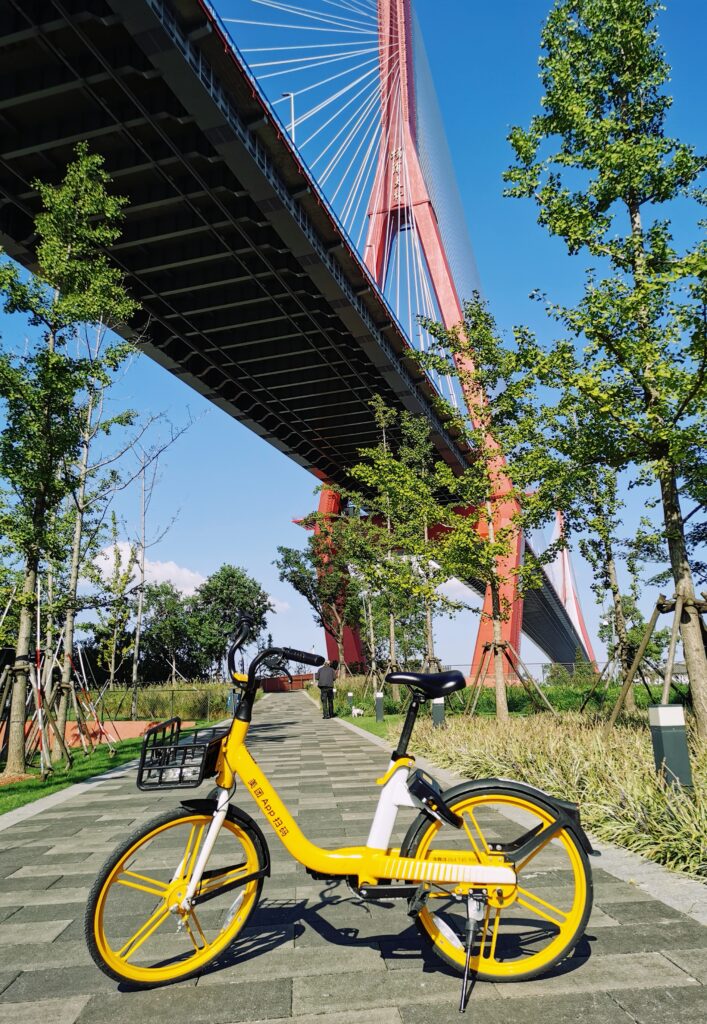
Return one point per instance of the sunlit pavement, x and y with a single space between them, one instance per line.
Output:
312 953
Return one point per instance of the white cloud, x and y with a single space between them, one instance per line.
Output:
185 580
278 606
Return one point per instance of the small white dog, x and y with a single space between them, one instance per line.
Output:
357 712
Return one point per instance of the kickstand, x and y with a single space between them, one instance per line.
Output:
474 915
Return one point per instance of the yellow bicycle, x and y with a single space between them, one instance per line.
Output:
495 873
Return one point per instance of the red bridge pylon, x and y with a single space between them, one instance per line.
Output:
401 200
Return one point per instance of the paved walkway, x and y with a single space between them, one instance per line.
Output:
323 958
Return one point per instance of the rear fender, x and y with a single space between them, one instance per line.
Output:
564 813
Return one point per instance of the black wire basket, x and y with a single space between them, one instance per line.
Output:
176 758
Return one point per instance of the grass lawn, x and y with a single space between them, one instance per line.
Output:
16 794
368 722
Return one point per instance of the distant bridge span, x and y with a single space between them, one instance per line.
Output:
252 293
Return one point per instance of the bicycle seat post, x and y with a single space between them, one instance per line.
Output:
410 718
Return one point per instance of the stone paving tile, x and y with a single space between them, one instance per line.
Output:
619 892
43 1011
223 1004
602 974
48 913
640 912
70 980
41 932
78 866
42 897
388 1015
83 880
358 991
297 963
29 883
590 1008
648 938
64 953
692 961
6 978
666 1006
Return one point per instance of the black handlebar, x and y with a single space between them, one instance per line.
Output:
316 660
245 624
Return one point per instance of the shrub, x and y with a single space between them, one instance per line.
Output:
613 778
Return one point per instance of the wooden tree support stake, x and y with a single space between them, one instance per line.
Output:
526 678
628 681
519 668
668 677
597 683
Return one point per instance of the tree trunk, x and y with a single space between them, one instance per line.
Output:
368 608
619 622
111 677
140 599
16 764
431 662
498 662
392 653
690 629
174 671
69 624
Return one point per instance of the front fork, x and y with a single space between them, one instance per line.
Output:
223 798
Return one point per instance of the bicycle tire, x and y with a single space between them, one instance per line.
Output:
447 944
238 825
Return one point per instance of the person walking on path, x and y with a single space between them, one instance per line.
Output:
325 682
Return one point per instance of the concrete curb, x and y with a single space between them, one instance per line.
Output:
11 818
684 894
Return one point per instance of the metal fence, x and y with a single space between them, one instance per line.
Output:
203 703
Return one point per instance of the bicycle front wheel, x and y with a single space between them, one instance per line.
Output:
134 928
528 928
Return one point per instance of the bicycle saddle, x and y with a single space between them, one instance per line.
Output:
429 684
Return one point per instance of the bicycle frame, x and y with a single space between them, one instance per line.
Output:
367 864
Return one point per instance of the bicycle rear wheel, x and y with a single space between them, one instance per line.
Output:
134 928
528 928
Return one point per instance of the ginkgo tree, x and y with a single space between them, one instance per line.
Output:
598 163
513 482
44 388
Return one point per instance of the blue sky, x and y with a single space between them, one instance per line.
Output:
233 495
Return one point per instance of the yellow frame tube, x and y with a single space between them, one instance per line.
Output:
367 864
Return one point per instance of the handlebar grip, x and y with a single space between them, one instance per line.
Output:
316 660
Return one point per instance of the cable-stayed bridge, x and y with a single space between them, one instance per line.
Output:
292 207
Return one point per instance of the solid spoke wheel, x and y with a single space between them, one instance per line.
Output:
527 929
135 929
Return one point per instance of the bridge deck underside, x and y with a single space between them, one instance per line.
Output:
241 301
249 290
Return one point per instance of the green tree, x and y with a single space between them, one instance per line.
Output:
42 389
217 604
599 516
168 633
320 573
635 629
513 482
111 633
597 162
398 540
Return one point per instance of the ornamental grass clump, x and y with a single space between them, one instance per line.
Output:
613 778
